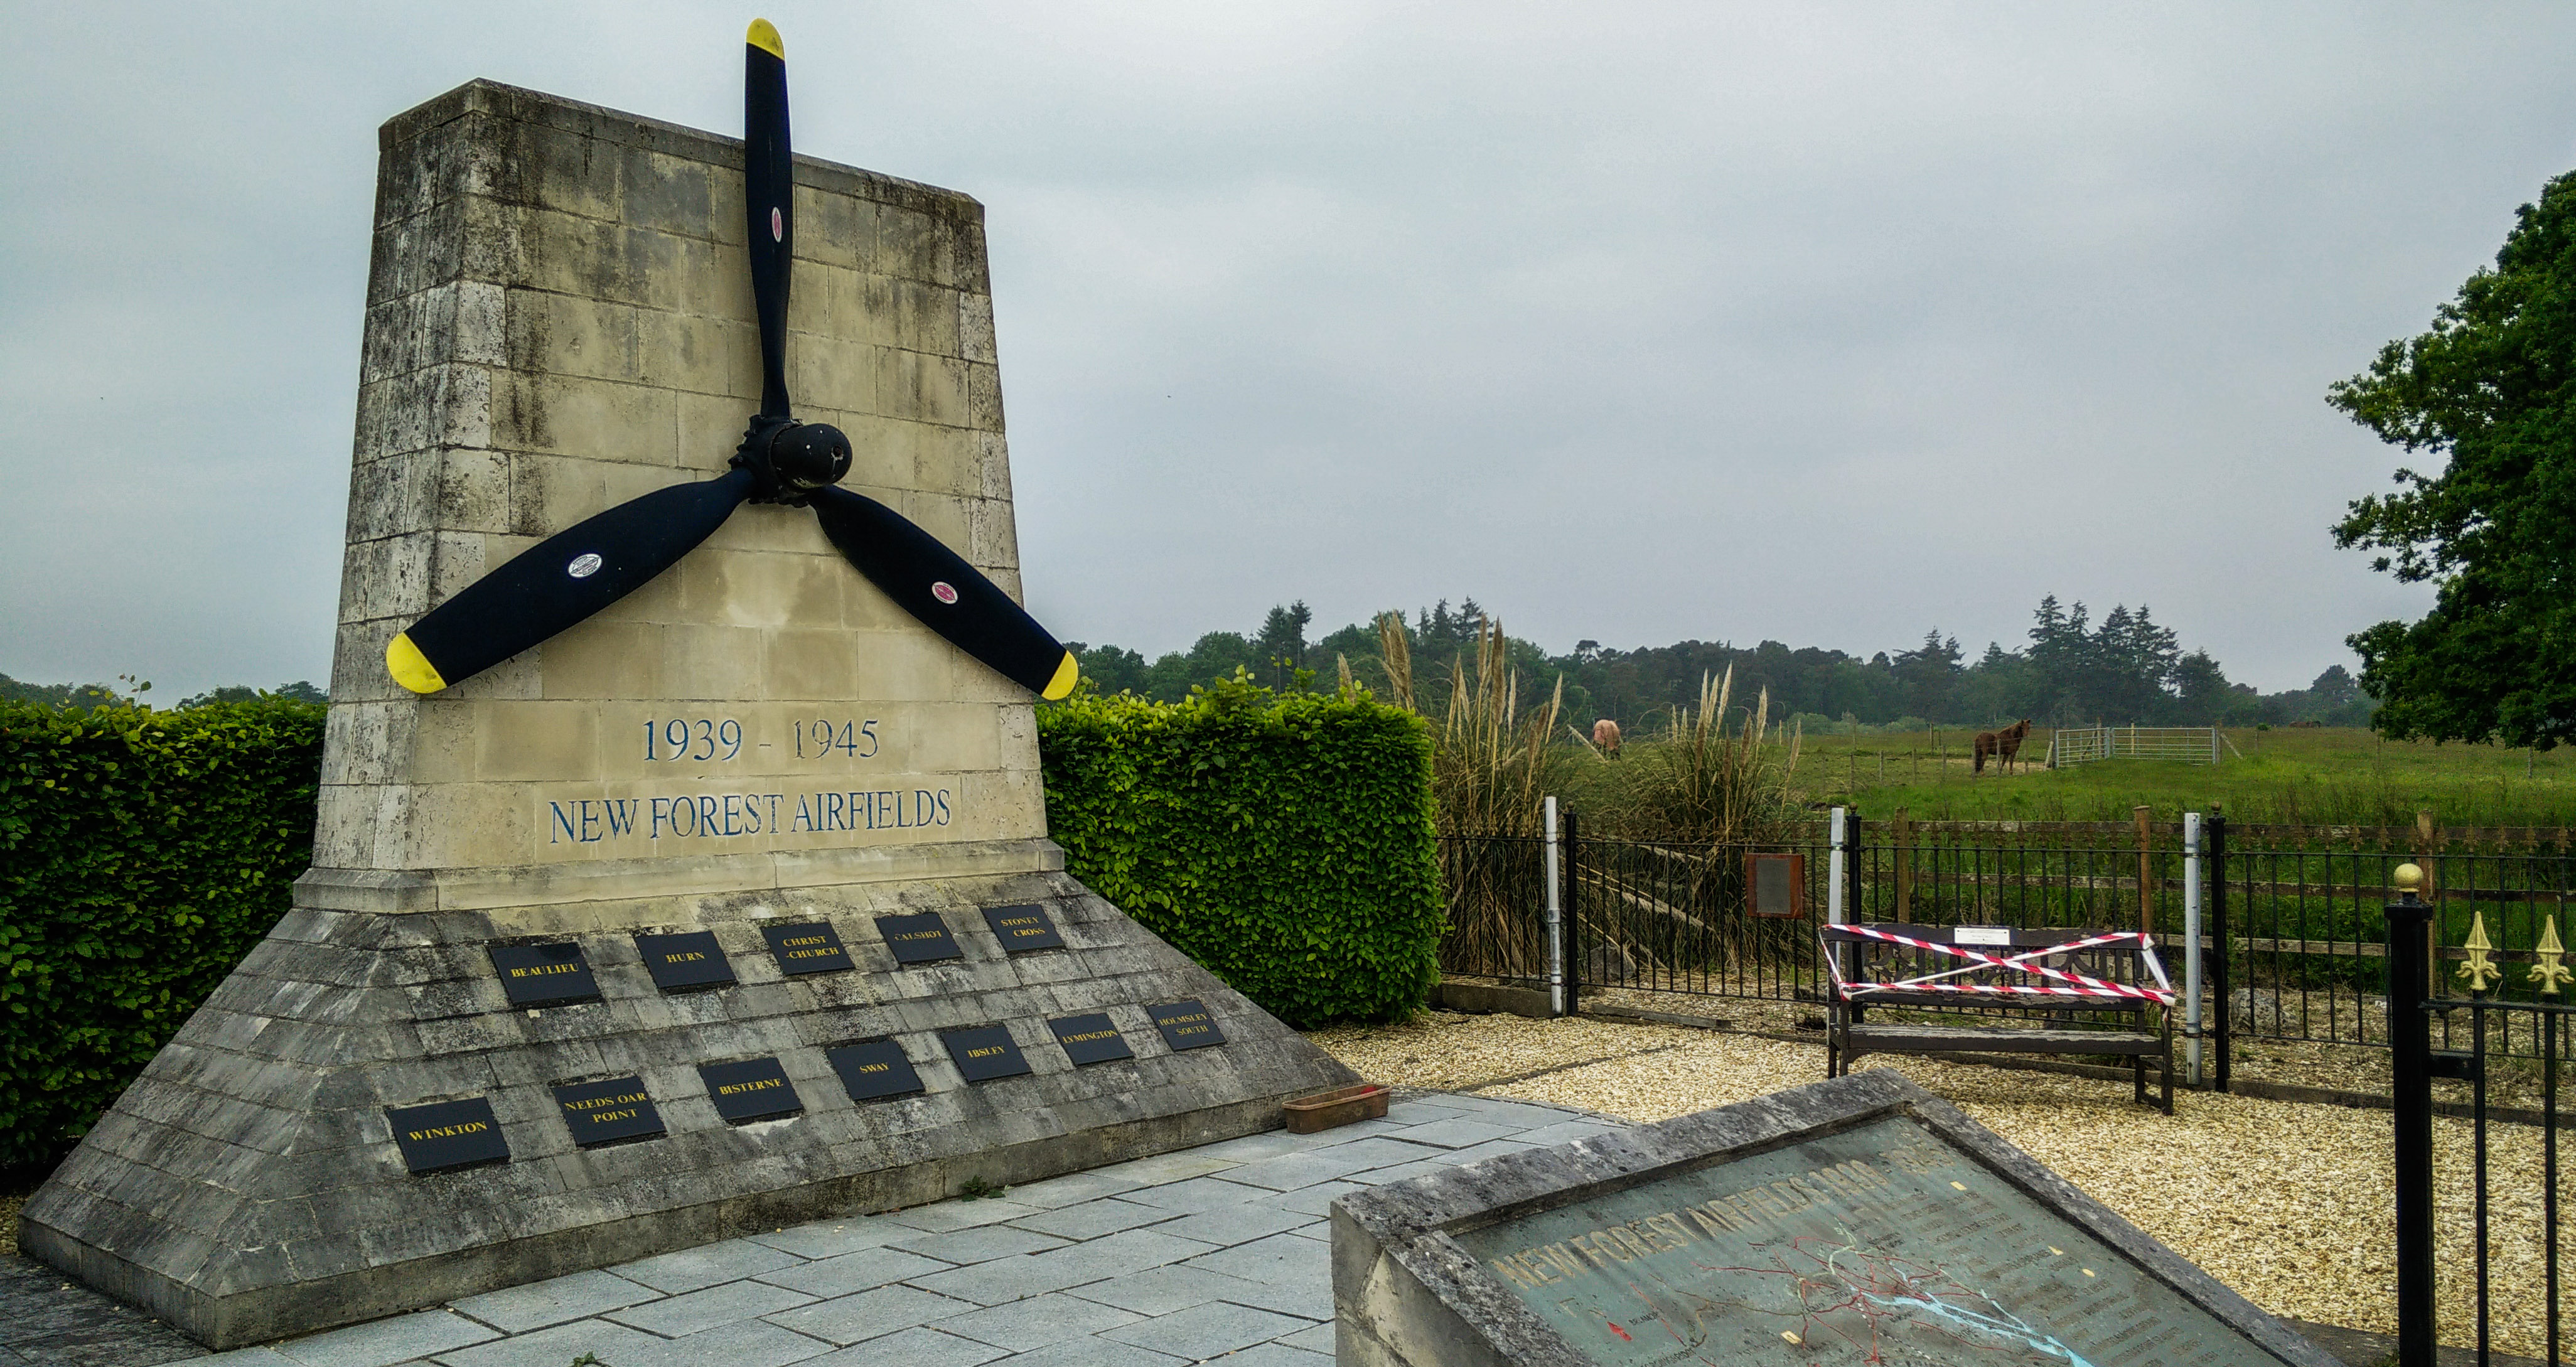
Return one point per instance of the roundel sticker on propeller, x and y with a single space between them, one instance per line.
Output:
583 565
942 592
777 227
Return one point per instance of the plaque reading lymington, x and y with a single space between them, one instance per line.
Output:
1090 1039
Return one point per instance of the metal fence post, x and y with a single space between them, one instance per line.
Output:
2191 1009
1555 922
1573 913
2410 1042
1838 868
2216 839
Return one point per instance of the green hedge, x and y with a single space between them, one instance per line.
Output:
142 854
1285 842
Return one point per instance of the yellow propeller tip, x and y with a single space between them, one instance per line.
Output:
410 668
764 35
1065 675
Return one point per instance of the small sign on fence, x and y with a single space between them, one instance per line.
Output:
1775 884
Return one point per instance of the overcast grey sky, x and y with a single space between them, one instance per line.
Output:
1639 323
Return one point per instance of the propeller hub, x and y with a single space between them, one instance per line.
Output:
791 458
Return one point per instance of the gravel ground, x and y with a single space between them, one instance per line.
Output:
2289 1204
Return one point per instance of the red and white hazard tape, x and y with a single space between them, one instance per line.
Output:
2085 985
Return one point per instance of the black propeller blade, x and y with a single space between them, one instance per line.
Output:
769 202
950 596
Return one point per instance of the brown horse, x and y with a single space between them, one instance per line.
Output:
2004 745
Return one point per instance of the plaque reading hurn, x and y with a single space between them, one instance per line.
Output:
607 1112
874 1068
447 1134
688 962
544 975
561 318
984 1053
754 1089
1023 927
1855 1221
918 939
810 948
1090 1039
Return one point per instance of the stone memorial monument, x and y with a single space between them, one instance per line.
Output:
728 907
1861 1220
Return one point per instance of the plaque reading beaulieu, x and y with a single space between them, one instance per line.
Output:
918 939
607 1112
1186 1025
754 1089
544 975
874 1068
1023 927
1090 1039
812 947
690 961
447 1134
984 1053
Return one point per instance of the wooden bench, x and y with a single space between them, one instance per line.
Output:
1998 971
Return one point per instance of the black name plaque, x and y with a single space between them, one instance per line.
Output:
690 961
874 1068
1023 927
607 1112
918 939
544 975
813 947
984 1052
1186 1025
448 1134
1090 1039
754 1089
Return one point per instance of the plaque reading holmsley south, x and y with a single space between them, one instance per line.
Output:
1876 1244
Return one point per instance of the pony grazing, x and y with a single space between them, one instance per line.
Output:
2004 745
1605 736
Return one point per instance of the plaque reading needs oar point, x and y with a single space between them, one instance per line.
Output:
812 947
984 1052
918 939
754 1089
608 1112
690 961
447 1134
1023 927
1186 1025
544 975
874 1068
1090 1039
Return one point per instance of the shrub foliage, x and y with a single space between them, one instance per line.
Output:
1284 841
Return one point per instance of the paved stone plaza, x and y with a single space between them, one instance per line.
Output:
1197 1254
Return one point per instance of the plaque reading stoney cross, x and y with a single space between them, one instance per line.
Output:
688 962
874 1068
809 948
754 1089
1090 1039
544 975
1186 1025
606 1112
1023 927
984 1053
448 1134
918 939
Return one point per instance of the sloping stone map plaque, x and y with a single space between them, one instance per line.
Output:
874 1068
984 1053
1186 1025
448 1134
544 975
812 947
1090 1039
608 1112
691 961
1855 1221
1022 928
919 939
754 1089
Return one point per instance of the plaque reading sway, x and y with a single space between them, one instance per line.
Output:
1090 1039
918 939
754 1089
1024 927
812 947
1186 1025
448 1134
984 1053
687 962
874 1068
608 1112
544 975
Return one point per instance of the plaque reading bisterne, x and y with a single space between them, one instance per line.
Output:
544 975
1023 927
448 1134
813 947
690 961
1186 1025
754 1089
874 1068
984 1052
1090 1039
918 939
608 1112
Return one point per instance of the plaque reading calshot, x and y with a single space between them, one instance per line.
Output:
874 1068
608 1112
447 1134
1090 1039
984 1052
690 961
1186 1025
918 939
811 947
1023 927
753 1089
544 975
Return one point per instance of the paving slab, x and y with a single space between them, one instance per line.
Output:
1092 1219
864 1270
44 1318
747 1343
1093 1352
553 1347
830 1238
1162 1290
1379 1151
983 1243
1165 1167
1196 1193
556 1300
1462 1133
382 1343
913 1348
1291 1171
1071 1189
960 1214
1316 1340
730 1303
693 1268
1317 1199
1206 1331
1279 1353
1227 1226
1038 1321
868 1314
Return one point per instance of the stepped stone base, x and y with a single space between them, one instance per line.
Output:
248 1185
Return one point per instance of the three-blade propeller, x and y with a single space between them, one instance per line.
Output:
565 578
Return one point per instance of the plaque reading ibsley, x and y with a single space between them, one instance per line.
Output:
1186 1025
984 1053
606 1112
754 1089
690 961
812 947
1023 927
1090 1039
544 975
918 939
874 1068
448 1134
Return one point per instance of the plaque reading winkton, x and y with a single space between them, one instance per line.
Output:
1023 927
874 1068
812 947
918 939
1090 1039
690 961
608 1112
984 1053
447 1134
1860 1220
1186 1025
544 975
754 1089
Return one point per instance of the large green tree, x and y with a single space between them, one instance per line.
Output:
2492 390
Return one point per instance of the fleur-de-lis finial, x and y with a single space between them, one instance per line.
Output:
2547 973
2480 969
